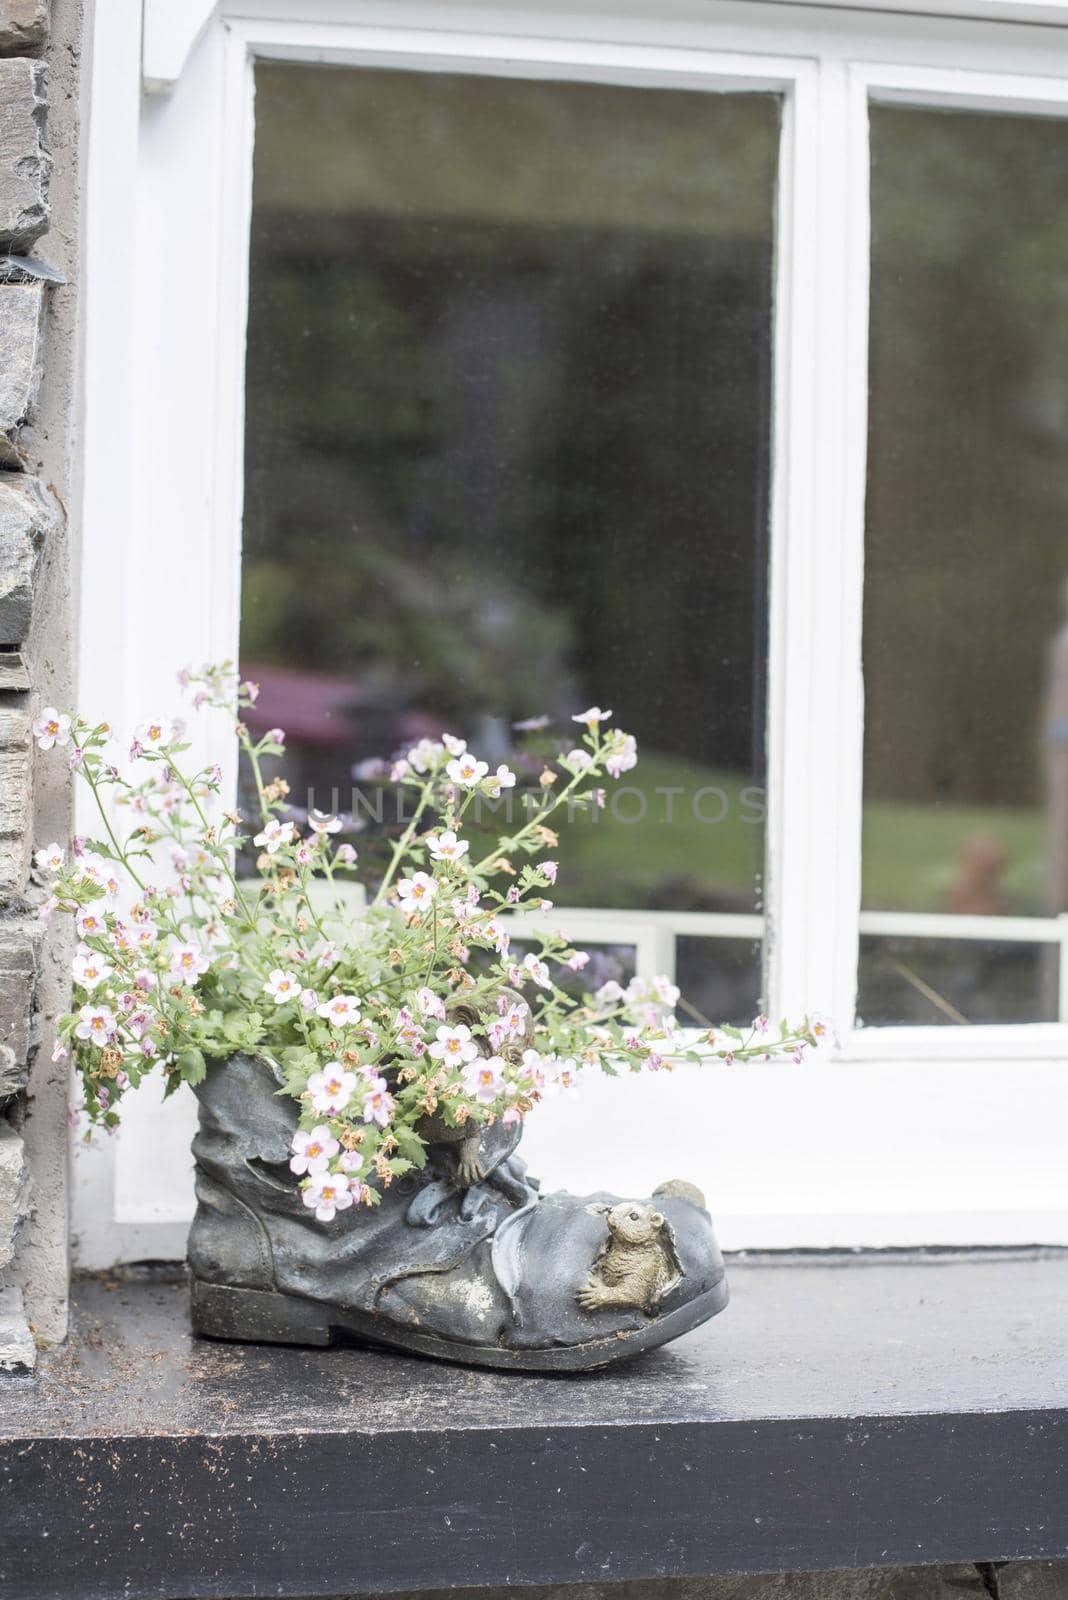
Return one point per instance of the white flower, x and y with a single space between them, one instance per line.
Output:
331 1089
447 847
323 821
503 778
592 717
154 735
484 1079
455 747
454 1045
274 835
309 1000
90 923
497 934
578 760
426 754
97 1024
188 961
350 1161
327 1193
327 956
378 1103
342 1011
577 960
609 993
538 971
466 771
90 969
514 1017
566 1073
416 892
429 1003
623 754
51 728
50 859
282 986
312 1151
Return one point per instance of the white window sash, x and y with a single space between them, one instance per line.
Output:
818 1154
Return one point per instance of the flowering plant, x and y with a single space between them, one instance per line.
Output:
356 1011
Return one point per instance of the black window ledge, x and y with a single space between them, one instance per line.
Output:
845 1411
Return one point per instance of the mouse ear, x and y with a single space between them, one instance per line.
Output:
657 1220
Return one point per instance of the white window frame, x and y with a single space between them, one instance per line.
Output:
911 1136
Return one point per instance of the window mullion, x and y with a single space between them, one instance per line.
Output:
816 702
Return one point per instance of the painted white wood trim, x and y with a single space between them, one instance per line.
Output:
170 30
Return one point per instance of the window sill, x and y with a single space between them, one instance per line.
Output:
846 1411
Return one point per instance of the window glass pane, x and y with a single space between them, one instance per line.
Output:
507 445
720 980
952 981
965 657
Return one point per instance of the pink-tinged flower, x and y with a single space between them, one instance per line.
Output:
466 771
510 1117
50 858
566 1071
549 870
760 1025
139 1023
429 1003
275 834
447 847
822 1030
145 935
90 969
77 845
592 717
323 821
577 960
74 761
343 1011
484 1079
455 747
454 1046
345 855
309 1000
148 1048
112 887
623 754
327 956
609 994
409 1032
503 778
351 1162
154 735
537 970
51 727
97 1024
536 1068
59 1051
250 691
399 771
513 1019
378 1103
275 736
188 962
331 1089
327 1194
416 892
496 933
90 923
282 986
600 798
532 724
304 853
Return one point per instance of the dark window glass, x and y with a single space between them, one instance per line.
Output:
507 445
965 653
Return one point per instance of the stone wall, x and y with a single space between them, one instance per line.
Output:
39 214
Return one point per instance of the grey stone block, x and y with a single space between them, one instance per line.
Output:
18 1353
19 947
14 1190
872 1583
27 517
1032 1580
25 163
15 798
21 308
23 26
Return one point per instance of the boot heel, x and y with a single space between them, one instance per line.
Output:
256 1316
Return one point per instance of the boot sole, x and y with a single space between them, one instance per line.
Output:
258 1316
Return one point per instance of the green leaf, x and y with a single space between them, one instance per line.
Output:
191 1065
410 1145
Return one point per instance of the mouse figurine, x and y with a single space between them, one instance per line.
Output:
637 1263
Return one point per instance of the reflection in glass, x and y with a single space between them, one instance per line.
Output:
507 443
929 982
720 980
967 539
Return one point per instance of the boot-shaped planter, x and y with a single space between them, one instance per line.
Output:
465 1260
